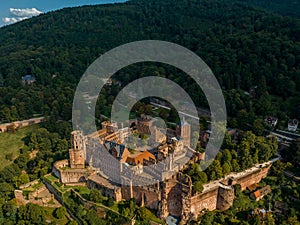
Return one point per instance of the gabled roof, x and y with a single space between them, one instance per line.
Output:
28 77
98 179
116 149
261 192
256 194
140 157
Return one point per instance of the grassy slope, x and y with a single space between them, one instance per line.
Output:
12 143
49 216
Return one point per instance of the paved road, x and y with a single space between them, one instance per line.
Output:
202 112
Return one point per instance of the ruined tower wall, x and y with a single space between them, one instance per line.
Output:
77 153
77 159
225 197
57 167
174 198
145 196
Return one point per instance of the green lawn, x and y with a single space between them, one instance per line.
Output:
12 143
50 178
83 191
151 216
122 115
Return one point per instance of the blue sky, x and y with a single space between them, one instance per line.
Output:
15 10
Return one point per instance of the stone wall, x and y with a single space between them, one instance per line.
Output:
24 123
42 196
225 197
219 197
57 194
73 175
56 170
27 185
68 175
178 201
205 200
114 193
220 194
174 198
145 196
20 197
251 178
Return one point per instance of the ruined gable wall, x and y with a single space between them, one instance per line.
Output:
114 193
73 176
174 197
20 197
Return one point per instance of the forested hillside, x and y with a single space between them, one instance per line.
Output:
245 46
287 7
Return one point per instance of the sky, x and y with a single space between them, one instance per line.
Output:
12 11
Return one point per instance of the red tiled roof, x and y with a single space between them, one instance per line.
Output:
139 158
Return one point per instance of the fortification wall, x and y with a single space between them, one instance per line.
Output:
205 200
252 178
220 196
57 194
68 175
24 123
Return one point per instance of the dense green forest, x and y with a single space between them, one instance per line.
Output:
245 45
287 7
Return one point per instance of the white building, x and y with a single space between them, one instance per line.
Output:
293 125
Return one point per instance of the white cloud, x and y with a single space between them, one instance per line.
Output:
20 14
10 20
25 12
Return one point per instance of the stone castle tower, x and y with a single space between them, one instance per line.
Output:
184 131
78 150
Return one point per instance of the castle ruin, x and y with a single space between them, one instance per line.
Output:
153 177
